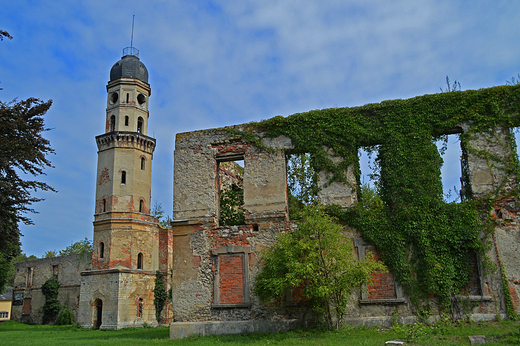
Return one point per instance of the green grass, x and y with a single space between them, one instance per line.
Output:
504 333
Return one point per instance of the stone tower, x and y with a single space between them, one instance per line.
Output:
118 291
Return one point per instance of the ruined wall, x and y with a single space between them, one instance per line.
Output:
31 275
208 281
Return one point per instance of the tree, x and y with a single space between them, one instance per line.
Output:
158 212
79 247
5 34
50 254
302 183
317 257
159 295
23 153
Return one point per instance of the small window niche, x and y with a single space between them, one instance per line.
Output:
123 177
140 125
231 190
452 169
302 183
126 120
141 206
103 205
140 308
101 250
143 163
112 123
140 260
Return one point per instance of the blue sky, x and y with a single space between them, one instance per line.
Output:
218 63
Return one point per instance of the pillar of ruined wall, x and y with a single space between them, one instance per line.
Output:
487 157
337 192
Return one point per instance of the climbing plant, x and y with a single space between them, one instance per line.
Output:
423 239
160 295
51 307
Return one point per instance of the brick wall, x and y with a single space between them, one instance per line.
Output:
231 279
384 283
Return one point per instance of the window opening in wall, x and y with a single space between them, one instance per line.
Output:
4 314
123 177
141 206
104 205
112 123
143 160
140 308
29 276
451 171
140 261
231 192
101 250
140 125
55 270
127 98
369 176
126 120
141 99
302 183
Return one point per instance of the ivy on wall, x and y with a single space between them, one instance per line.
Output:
423 239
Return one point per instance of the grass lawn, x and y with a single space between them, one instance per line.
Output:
503 333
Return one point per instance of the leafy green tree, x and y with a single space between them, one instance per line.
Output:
158 212
79 247
318 257
160 295
50 254
52 307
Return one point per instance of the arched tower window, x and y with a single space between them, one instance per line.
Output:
126 120
123 177
112 123
101 250
140 125
143 160
140 261
127 98
104 205
141 206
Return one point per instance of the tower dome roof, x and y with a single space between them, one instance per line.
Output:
129 67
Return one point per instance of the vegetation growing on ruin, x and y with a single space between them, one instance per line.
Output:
232 205
159 295
423 239
317 257
52 307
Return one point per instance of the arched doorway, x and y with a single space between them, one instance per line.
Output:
98 313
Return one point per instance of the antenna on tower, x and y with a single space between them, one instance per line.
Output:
132 39
131 50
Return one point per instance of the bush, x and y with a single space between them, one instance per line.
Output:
65 317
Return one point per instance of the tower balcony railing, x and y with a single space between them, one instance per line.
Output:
131 51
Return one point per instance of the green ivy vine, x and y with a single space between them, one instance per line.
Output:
423 239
